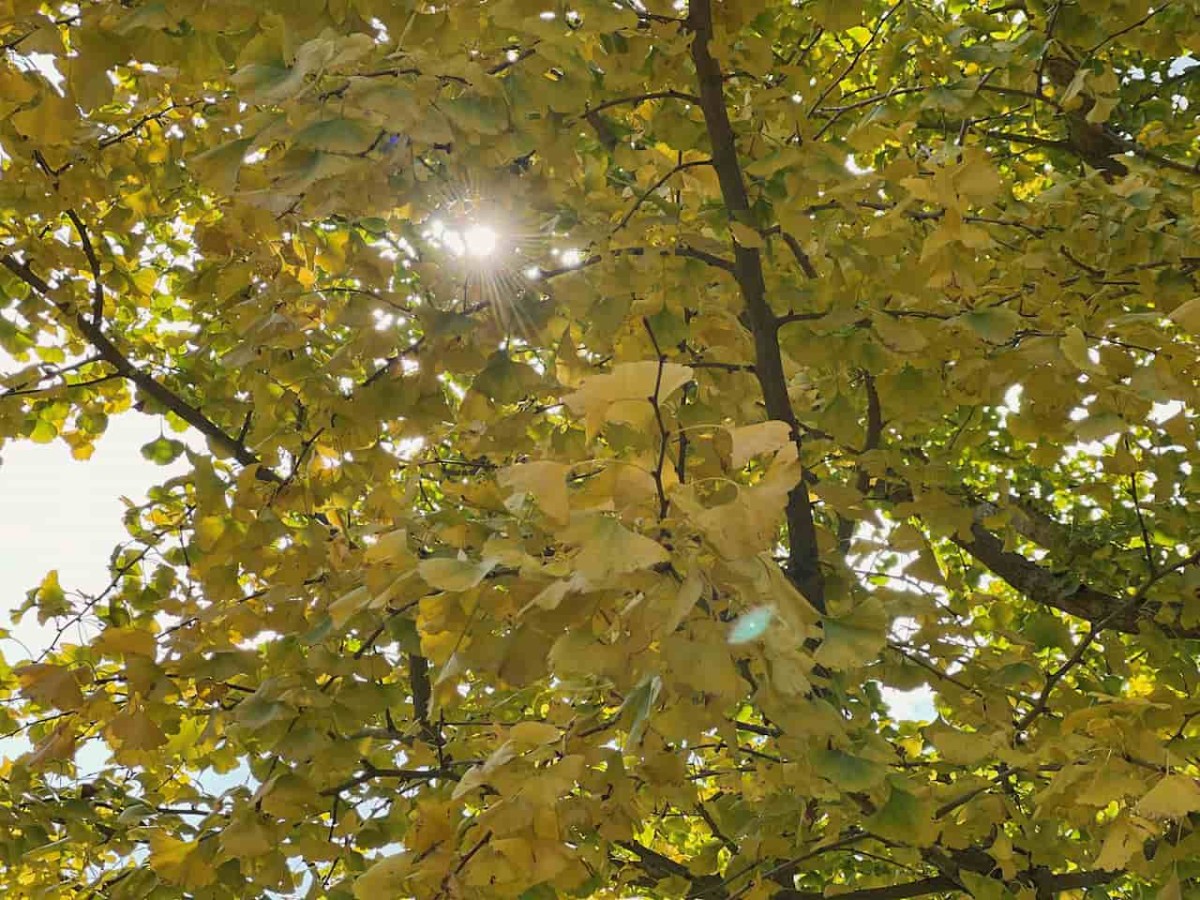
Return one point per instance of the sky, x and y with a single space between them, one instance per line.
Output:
57 512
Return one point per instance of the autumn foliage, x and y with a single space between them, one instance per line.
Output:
594 414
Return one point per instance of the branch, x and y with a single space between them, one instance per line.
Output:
802 258
803 553
371 773
1047 884
109 352
856 58
509 63
663 434
1061 592
93 263
659 182
683 250
422 693
935 885
642 98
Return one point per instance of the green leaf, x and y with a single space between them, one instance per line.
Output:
995 324
163 451
854 639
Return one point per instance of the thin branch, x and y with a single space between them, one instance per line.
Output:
658 183
1128 28
642 98
509 63
681 250
806 265
93 263
1147 545
663 434
1042 703
856 58
65 386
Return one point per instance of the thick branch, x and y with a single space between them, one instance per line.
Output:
803 554
1048 885
1059 591
893 892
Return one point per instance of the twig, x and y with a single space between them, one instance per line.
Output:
856 58
663 434
658 183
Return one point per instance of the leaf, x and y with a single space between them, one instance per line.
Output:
1125 837
750 441
1172 798
854 639
995 324
688 595
534 733
904 817
163 451
220 166
449 574
608 549
51 121
182 863
546 482
51 685
626 382
1187 315
847 772
347 136
246 837
127 642
385 878
134 730
1074 347
638 706
477 115
746 236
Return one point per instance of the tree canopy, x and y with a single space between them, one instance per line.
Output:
592 413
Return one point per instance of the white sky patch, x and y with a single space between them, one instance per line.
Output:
65 514
913 706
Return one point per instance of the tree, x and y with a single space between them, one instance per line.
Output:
592 412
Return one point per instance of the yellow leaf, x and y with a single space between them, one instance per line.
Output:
1187 315
634 381
127 642
607 548
1172 798
187 864
1125 837
546 482
50 685
444 573
751 440
52 121
1074 347
134 730
384 879
686 598
60 744
534 733
745 235
246 837
854 639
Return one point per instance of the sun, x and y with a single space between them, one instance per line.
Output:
480 241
